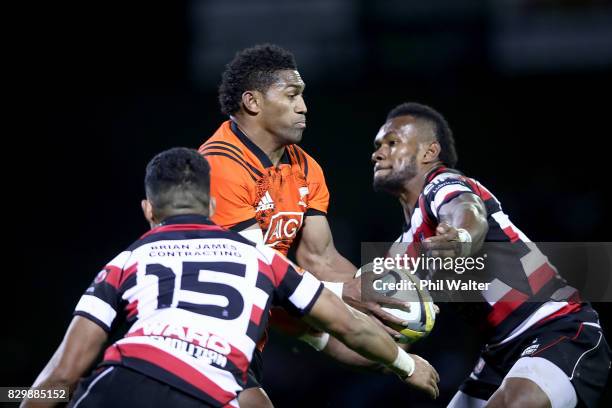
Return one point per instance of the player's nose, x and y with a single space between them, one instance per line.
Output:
300 106
377 155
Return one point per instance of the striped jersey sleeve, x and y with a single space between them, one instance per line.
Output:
101 302
318 192
294 289
443 189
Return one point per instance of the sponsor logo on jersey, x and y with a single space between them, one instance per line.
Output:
101 276
283 226
200 345
200 353
531 349
266 203
303 193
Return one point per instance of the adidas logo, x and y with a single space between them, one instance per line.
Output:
266 203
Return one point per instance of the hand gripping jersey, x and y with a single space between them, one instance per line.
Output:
197 298
249 188
521 278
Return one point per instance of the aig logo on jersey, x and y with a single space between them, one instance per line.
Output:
283 226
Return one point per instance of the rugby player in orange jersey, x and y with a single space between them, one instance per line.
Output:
268 189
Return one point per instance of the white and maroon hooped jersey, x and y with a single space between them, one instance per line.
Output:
197 298
520 276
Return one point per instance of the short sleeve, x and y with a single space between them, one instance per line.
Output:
317 188
101 301
295 290
443 189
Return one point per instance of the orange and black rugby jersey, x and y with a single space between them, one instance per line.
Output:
249 188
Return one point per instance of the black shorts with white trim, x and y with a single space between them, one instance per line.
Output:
574 342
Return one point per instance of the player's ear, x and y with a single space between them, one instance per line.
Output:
147 210
212 206
251 100
432 152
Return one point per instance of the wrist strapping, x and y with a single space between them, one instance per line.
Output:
335 287
466 241
317 341
403 363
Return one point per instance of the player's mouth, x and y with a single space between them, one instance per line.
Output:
301 124
378 168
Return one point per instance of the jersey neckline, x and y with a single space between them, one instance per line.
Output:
263 157
186 219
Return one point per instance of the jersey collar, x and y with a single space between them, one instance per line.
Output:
263 158
433 173
187 219
437 170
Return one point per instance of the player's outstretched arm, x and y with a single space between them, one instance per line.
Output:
317 254
79 349
344 355
361 334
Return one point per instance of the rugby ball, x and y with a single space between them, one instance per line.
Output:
421 316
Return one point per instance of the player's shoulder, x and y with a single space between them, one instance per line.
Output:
223 143
120 260
276 259
268 253
311 168
304 155
439 178
227 158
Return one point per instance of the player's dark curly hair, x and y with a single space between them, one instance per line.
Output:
178 178
448 153
252 69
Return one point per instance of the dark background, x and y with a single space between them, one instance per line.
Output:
103 87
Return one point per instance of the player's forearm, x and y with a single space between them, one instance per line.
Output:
53 376
358 332
327 265
374 344
367 339
344 355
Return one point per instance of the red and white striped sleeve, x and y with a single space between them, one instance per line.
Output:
101 301
294 289
443 189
